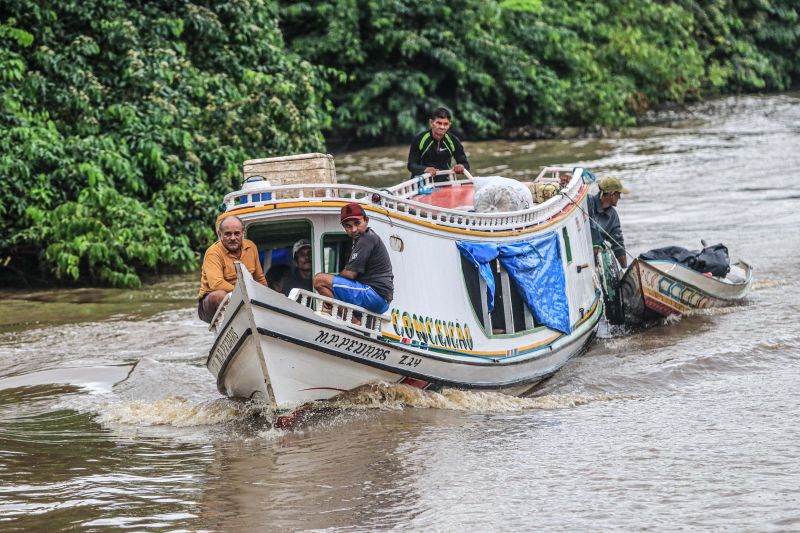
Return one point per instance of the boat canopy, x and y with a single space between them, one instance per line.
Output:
535 267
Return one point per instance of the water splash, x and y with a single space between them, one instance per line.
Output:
399 396
715 311
177 411
760 284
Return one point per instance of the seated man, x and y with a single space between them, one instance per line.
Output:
367 279
278 276
604 218
218 274
302 273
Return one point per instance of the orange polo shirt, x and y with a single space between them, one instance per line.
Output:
218 271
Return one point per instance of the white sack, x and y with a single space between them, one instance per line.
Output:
495 194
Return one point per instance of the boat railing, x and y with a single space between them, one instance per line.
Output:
420 184
398 199
337 310
219 315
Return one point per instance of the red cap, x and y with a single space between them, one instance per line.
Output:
352 210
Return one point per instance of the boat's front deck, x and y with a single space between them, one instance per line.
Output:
448 197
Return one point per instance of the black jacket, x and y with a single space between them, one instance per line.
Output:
605 226
426 152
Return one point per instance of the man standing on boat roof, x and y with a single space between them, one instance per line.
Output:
434 149
366 280
218 275
604 218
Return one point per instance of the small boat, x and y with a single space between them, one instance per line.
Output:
500 322
658 288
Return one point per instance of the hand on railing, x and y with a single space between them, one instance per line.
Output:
453 172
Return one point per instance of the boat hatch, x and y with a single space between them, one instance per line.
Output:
275 240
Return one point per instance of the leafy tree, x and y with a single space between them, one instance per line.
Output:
124 123
534 64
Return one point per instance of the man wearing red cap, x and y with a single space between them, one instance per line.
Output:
366 280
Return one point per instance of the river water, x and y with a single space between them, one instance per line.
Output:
109 419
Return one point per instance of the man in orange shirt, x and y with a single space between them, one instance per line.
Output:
218 274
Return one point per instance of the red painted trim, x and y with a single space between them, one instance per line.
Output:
414 382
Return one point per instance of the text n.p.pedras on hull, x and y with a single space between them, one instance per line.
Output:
490 301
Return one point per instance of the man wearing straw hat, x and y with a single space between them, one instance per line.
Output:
604 218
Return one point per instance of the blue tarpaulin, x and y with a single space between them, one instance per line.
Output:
535 266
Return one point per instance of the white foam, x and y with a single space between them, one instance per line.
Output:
398 396
174 411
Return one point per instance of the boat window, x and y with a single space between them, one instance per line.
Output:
336 249
275 241
518 309
567 247
499 311
510 314
472 280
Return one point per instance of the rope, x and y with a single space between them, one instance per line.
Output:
421 188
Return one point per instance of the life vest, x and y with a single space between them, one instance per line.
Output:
427 141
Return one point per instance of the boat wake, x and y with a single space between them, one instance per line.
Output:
378 397
715 311
137 403
399 396
177 411
760 284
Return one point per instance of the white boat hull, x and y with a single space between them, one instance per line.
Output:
271 348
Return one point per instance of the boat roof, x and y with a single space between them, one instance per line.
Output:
459 198
446 205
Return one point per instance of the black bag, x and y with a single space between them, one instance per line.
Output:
712 259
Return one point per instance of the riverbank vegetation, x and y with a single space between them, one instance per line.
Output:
124 122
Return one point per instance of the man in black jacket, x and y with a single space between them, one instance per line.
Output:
434 149
604 218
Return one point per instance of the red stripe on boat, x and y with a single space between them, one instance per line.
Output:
418 383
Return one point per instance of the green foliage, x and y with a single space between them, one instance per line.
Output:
747 45
124 123
109 236
517 64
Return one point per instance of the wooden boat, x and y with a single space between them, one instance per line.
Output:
440 329
657 288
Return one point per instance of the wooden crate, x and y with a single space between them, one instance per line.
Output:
293 170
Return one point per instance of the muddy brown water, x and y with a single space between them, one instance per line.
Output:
110 421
